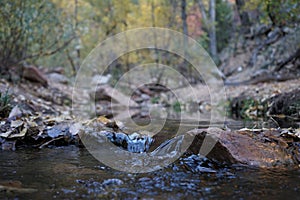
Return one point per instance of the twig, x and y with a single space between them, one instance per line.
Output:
46 143
275 121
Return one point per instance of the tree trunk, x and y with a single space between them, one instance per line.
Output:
203 13
183 17
185 30
212 30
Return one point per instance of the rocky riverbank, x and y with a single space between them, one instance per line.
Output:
37 116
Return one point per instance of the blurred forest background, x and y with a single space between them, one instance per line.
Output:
240 35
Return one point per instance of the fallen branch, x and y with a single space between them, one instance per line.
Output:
295 56
276 35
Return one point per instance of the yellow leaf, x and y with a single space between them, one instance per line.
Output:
103 120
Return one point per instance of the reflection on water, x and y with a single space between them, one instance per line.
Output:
72 173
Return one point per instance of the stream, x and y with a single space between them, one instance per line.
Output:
73 173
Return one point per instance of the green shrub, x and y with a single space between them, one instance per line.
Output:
5 106
29 30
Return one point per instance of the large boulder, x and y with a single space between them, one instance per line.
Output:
255 148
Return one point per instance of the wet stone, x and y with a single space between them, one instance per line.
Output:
134 142
260 149
113 181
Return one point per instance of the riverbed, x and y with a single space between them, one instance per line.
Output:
71 172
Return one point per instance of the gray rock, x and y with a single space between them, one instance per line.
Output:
58 78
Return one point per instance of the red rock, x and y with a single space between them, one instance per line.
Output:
33 74
245 147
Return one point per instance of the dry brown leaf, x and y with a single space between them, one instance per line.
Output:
54 120
31 124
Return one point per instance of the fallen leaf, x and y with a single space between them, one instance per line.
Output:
16 123
6 134
75 128
297 132
103 120
15 112
21 134
54 120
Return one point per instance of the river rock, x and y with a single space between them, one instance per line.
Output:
107 93
101 79
58 78
253 148
32 73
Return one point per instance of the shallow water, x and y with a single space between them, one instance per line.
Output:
72 173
